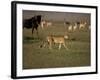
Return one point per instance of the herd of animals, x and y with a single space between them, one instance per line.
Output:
36 21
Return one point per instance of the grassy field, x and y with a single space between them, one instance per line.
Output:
36 57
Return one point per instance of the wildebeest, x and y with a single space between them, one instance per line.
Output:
33 23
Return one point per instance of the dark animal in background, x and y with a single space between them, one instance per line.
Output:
33 23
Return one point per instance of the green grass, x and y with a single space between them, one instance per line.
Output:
36 57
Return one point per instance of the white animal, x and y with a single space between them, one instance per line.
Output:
48 24
43 24
70 27
75 26
82 25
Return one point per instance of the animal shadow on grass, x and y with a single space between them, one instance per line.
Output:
31 40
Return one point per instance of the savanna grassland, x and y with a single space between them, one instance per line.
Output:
78 53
